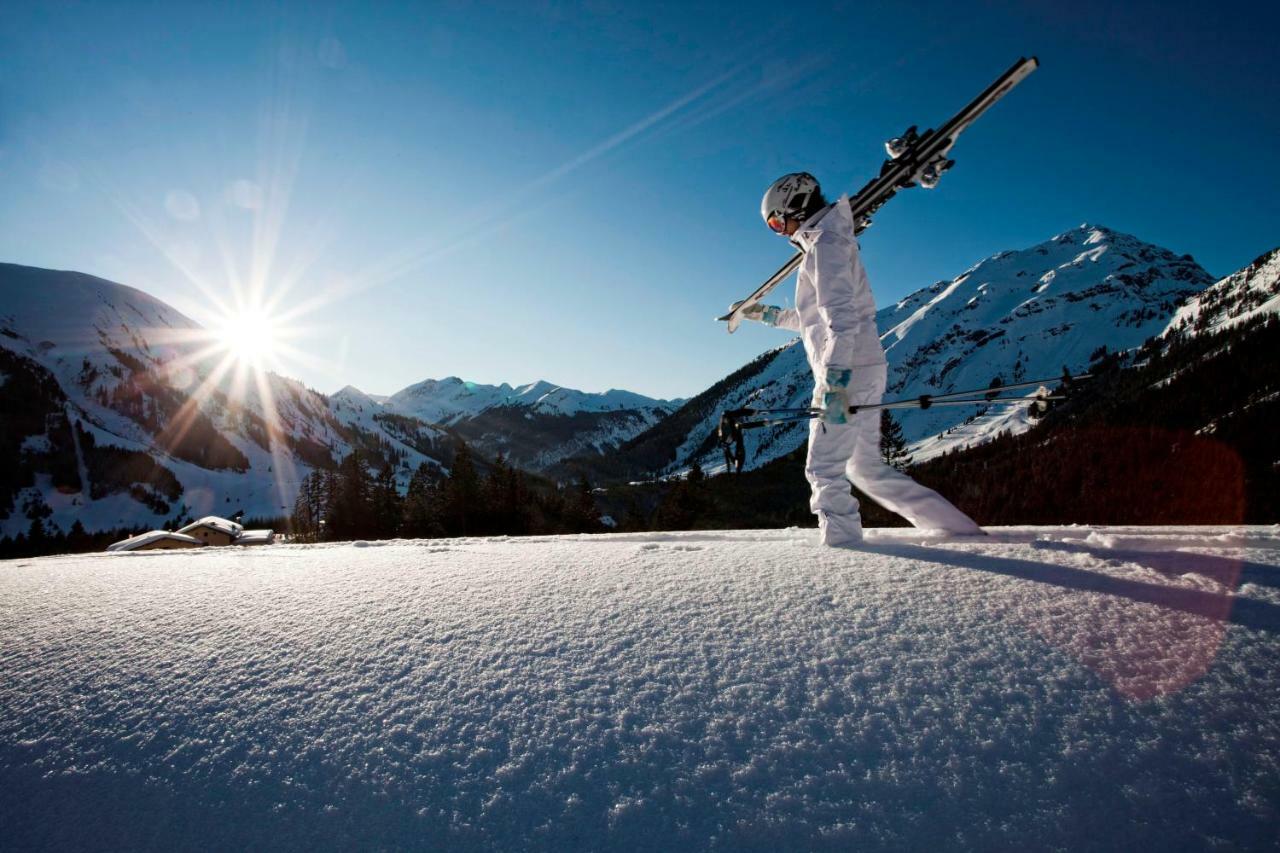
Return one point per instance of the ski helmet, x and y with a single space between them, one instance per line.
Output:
792 196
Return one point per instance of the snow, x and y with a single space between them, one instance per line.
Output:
983 425
1245 294
35 444
1043 688
990 321
213 522
449 400
135 542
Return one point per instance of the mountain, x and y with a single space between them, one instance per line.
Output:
1015 316
1137 443
114 411
1248 293
449 400
1181 430
536 425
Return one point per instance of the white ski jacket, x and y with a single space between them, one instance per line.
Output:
834 313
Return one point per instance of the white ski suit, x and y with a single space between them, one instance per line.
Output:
835 315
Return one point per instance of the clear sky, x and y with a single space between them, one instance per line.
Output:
570 191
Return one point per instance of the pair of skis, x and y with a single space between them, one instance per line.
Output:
914 159
735 421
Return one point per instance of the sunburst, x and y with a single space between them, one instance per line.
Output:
249 337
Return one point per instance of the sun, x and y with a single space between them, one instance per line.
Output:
250 337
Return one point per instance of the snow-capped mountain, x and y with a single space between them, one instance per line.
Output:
115 419
1241 296
1016 316
449 400
534 425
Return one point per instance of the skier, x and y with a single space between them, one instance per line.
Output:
835 315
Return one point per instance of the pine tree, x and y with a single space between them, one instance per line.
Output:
685 504
351 515
420 510
462 500
996 384
309 507
385 504
506 500
634 519
77 538
583 516
893 444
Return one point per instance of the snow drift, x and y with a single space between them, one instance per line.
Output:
1046 688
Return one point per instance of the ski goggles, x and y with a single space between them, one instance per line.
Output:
777 223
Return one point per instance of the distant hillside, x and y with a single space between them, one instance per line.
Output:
1251 292
113 414
1186 435
1179 431
535 426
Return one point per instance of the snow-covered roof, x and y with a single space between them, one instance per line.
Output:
256 537
133 543
221 525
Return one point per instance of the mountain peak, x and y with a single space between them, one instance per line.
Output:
351 393
1017 315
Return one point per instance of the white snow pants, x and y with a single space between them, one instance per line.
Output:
844 453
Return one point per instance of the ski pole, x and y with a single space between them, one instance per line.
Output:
734 422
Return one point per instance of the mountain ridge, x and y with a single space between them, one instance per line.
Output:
119 402
113 417
1014 316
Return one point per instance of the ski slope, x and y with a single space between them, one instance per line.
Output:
1045 688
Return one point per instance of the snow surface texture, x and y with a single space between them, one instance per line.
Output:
1046 688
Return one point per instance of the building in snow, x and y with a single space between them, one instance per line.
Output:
213 530
210 530
156 540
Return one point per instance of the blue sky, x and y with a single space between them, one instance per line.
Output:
570 191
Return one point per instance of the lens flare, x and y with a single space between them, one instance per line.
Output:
249 337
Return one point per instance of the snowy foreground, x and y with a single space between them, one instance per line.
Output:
1047 688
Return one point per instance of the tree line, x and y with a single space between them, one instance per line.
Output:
42 538
773 495
357 501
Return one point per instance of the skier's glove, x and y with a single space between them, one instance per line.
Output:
767 314
835 399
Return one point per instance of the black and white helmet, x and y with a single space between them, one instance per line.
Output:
792 196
